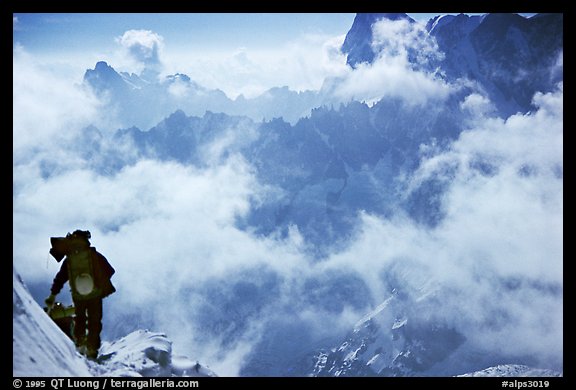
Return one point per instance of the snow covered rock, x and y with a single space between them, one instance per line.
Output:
358 42
510 56
513 370
146 353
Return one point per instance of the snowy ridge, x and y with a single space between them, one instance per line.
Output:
439 21
513 370
148 354
372 314
41 349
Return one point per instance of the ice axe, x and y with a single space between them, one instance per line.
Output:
57 310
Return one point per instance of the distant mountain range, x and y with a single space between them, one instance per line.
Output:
509 56
143 102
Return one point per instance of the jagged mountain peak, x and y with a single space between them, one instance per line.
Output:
461 23
178 77
104 77
102 66
357 44
495 21
176 117
102 69
498 51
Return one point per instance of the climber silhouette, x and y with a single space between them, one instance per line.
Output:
88 273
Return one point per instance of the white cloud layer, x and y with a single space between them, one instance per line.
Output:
145 48
46 106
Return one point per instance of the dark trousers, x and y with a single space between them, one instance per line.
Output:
88 322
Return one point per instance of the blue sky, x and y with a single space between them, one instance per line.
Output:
45 32
77 30
200 45
74 31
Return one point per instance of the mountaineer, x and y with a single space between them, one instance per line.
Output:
88 273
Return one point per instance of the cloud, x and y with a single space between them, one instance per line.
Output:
301 64
179 89
45 105
510 176
169 232
403 67
390 78
393 38
496 259
49 115
145 48
478 105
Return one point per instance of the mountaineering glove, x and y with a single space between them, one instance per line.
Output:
50 300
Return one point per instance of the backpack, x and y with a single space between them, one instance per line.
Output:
81 270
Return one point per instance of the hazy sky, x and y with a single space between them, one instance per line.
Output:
215 50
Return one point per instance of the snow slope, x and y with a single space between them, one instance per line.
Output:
41 349
39 346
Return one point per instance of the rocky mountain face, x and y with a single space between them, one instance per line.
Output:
509 56
358 42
